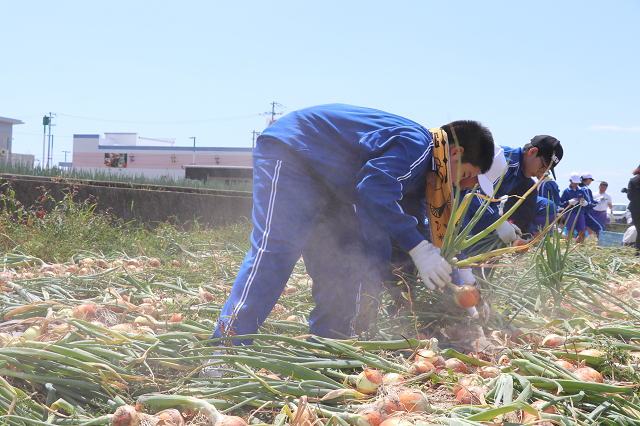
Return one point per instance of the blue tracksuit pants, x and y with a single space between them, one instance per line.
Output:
295 214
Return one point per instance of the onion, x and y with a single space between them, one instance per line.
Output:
566 364
590 352
388 405
391 379
504 360
121 327
635 293
231 421
102 263
427 355
368 381
133 262
72 268
594 374
175 263
420 367
64 313
145 321
32 333
539 403
127 415
465 296
176 318
85 311
488 371
584 376
87 262
455 365
472 395
170 417
370 417
154 263
205 296
396 421
470 380
553 340
413 401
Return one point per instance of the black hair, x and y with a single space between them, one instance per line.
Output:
476 140
528 146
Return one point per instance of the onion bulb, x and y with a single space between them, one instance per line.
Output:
590 372
176 318
455 365
488 371
388 405
566 364
470 380
370 417
427 355
590 352
368 381
127 415
396 421
472 395
154 263
85 311
553 340
231 421
420 367
32 333
413 401
169 417
391 379
465 296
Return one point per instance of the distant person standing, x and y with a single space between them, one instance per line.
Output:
605 202
633 194
574 196
593 225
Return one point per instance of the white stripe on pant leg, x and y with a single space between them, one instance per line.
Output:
596 221
265 237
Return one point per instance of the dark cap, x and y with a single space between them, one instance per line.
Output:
550 149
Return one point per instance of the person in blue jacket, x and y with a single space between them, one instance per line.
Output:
318 174
574 196
550 190
594 226
529 161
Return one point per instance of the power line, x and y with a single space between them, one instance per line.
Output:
209 120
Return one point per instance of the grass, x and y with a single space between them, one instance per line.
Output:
56 172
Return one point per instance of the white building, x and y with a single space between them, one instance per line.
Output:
134 155
6 144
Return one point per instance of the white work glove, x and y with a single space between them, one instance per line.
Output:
433 268
573 201
483 310
467 276
508 232
584 203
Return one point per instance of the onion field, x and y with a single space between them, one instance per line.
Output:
108 323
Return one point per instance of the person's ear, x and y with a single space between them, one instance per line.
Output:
455 150
533 152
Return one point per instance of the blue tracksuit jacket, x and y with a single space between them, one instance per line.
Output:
331 184
549 189
512 177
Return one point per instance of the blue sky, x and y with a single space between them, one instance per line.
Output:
210 68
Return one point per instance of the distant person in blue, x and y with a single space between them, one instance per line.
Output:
549 189
318 172
594 226
532 160
574 196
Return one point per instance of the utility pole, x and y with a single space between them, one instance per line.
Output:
45 121
194 149
49 153
253 143
65 155
273 112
